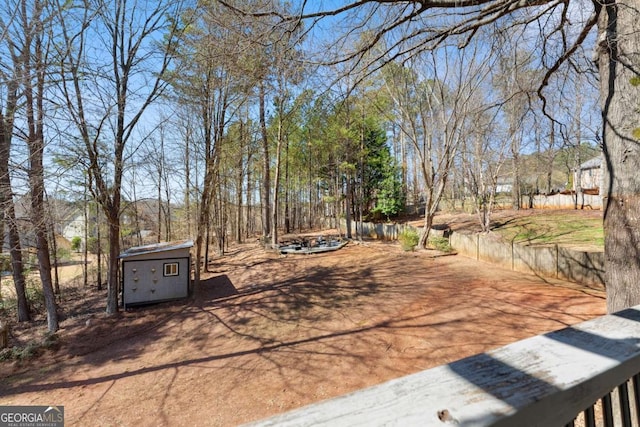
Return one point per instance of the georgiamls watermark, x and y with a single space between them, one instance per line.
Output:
31 416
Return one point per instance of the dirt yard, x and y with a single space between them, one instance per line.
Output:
265 334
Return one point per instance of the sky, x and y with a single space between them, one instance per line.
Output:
325 30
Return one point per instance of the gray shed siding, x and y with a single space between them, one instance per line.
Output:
144 279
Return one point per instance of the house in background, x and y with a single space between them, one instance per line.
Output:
139 219
588 177
72 226
504 184
155 273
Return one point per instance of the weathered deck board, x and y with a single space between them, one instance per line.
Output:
545 380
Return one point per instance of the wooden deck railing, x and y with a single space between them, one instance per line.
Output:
561 378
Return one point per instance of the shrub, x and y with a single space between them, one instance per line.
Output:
408 239
63 254
35 295
76 243
5 262
92 245
30 349
440 243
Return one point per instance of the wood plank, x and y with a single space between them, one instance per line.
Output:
544 380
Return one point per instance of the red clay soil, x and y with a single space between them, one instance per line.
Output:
266 333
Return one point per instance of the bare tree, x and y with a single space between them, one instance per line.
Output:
415 26
10 98
577 91
107 98
29 46
286 73
483 157
185 124
275 69
265 193
240 152
513 83
435 110
212 84
155 149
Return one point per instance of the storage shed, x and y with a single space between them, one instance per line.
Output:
157 272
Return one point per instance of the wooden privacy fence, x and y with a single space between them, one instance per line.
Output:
567 201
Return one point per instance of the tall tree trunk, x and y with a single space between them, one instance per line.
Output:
54 251
113 218
36 184
312 193
187 189
577 176
159 213
33 67
287 185
266 175
619 52
276 186
426 228
85 246
515 189
239 180
17 267
7 206
347 207
220 212
98 249
249 229
168 235
337 201
549 158
203 217
136 217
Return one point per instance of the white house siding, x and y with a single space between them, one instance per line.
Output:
74 228
590 178
589 174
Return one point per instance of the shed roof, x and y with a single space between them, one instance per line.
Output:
156 247
594 163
